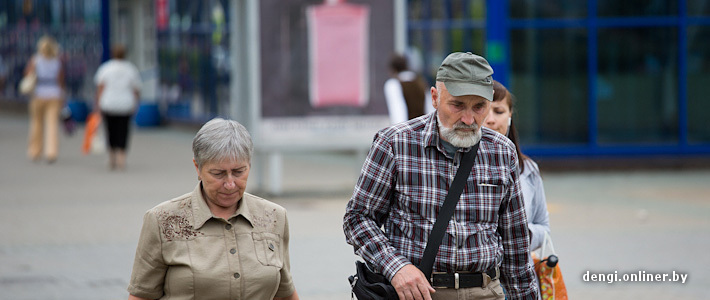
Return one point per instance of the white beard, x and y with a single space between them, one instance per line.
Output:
463 139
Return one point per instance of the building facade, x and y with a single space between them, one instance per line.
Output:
592 78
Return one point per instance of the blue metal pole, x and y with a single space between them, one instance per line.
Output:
682 76
497 45
105 30
592 72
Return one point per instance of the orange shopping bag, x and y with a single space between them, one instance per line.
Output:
93 122
552 285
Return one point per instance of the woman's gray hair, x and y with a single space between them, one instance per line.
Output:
221 139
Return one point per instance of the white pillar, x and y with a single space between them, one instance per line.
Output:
245 86
133 25
400 26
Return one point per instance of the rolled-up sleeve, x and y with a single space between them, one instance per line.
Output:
539 221
286 287
149 268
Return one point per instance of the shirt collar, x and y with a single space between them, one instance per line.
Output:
202 213
431 131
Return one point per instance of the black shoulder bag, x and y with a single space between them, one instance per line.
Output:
368 285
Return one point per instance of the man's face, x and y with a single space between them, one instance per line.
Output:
460 118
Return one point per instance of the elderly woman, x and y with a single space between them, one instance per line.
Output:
216 242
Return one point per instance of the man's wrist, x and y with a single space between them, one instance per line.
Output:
392 265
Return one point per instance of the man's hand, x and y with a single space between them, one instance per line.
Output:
410 283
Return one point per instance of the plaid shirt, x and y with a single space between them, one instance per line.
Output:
402 186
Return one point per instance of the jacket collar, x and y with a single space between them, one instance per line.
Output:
202 213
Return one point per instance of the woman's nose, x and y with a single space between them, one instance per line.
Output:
230 183
490 121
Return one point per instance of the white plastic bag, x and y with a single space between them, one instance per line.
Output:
98 141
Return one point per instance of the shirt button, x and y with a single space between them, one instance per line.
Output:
229 226
236 275
233 251
271 246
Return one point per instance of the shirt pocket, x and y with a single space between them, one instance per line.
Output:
486 199
267 247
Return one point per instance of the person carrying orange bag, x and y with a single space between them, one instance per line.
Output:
93 121
549 275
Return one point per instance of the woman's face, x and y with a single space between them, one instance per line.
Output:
223 184
499 116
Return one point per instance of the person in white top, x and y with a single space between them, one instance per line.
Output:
117 96
47 100
405 92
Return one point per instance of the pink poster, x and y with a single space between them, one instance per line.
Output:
338 54
161 11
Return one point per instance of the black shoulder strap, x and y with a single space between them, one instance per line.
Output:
447 210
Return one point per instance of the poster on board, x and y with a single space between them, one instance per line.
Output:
338 78
323 68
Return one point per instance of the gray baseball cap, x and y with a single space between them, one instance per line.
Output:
466 74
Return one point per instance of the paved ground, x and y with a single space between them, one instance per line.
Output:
69 230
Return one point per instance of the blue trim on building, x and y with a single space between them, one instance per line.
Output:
497 41
498 25
105 30
592 72
682 76
565 150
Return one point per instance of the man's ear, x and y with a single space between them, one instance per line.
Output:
434 97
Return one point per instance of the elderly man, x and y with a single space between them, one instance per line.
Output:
406 177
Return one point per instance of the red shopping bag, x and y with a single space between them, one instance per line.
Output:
549 275
93 122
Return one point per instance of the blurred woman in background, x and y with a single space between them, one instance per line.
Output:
117 96
46 101
500 119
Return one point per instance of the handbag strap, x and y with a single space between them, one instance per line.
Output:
446 211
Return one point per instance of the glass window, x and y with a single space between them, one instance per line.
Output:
637 86
455 26
525 9
549 80
446 9
435 45
698 79
193 59
698 7
631 8
75 26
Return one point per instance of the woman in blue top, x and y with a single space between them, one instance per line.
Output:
501 120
